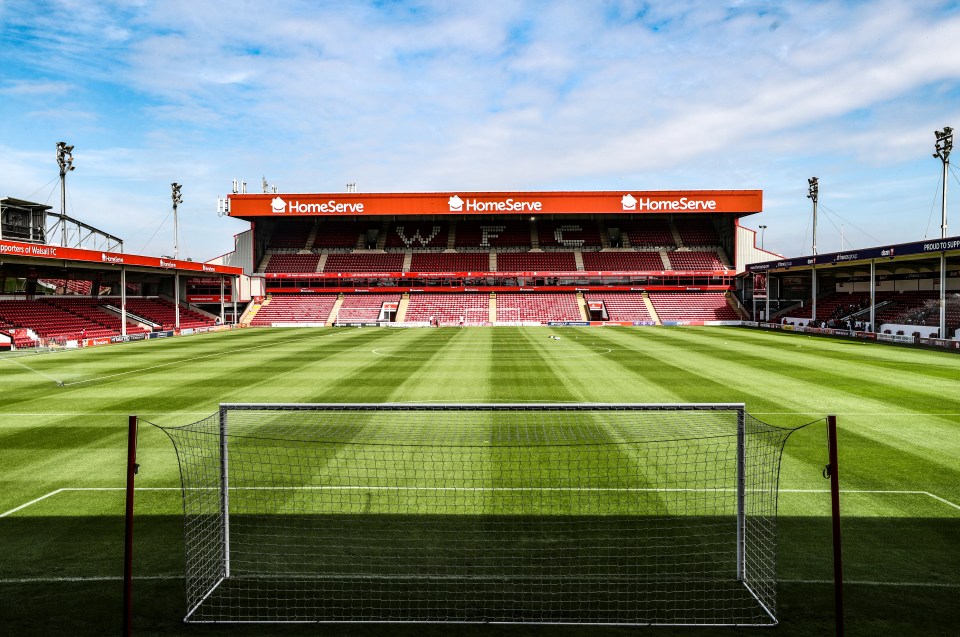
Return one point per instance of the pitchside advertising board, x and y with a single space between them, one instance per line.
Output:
487 203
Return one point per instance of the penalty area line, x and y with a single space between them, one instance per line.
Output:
188 360
28 368
65 489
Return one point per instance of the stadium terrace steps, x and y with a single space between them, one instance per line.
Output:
417 235
448 309
332 234
163 312
622 260
246 318
692 306
295 308
90 310
537 307
332 317
363 308
647 232
449 262
51 321
477 308
535 261
290 236
508 234
402 307
569 234
694 231
695 260
622 306
293 263
652 311
364 262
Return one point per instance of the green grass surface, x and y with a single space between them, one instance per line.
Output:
898 409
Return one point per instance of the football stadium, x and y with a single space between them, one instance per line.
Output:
562 412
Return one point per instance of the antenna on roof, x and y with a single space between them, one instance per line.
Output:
267 188
236 186
352 187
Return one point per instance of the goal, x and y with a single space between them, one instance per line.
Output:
515 513
508 315
477 315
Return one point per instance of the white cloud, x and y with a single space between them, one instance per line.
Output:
439 96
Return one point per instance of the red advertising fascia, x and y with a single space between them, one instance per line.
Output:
481 275
58 253
208 298
503 288
620 202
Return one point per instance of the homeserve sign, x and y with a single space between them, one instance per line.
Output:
457 204
630 203
279 207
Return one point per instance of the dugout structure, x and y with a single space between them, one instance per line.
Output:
516 513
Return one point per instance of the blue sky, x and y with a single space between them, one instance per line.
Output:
428 96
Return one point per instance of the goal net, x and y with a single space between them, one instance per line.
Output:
477 315
521 513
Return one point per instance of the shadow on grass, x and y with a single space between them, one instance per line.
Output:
53 549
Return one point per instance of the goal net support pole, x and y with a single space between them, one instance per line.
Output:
127 624
225 491
501 513
832 471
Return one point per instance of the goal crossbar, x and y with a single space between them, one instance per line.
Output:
589 513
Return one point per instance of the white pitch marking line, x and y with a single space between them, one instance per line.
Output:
379 352
470 489
28 368
55 492
877 491
871 583
24 506
186 360
84 578
209 412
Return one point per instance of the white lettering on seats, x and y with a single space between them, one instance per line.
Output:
568 243
490 232
408 241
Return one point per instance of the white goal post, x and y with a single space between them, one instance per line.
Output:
627 514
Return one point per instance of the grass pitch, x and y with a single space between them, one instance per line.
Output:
62 455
